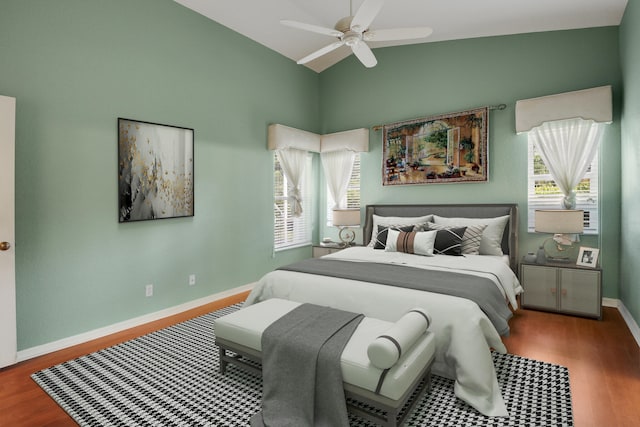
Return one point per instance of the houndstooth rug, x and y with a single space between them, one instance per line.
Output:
170 378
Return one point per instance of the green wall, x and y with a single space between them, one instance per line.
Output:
74 67
630 223
432 78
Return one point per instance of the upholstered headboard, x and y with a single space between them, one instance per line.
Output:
509 238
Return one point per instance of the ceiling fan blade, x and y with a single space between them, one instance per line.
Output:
364 54
313 28
365 15
318 53
398 34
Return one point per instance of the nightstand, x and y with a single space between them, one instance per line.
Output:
320 250
563 288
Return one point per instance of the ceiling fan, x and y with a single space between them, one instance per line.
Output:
354 32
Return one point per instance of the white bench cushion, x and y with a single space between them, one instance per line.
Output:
245 327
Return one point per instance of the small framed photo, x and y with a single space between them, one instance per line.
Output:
588 257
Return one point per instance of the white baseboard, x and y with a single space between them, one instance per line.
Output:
626 315
40 350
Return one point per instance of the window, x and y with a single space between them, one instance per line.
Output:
543 193
289 231
352 198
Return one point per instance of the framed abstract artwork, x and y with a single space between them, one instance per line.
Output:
155 171
446 148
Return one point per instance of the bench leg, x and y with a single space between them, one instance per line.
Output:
223 360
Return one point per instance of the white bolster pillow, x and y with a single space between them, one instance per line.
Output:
385 350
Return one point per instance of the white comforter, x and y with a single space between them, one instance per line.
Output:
495 268
464 334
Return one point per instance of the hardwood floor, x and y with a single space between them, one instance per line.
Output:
602 356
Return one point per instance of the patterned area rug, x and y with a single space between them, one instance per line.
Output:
170 378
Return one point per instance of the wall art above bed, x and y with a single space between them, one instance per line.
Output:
155 171
446 148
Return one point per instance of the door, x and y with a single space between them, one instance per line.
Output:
8 337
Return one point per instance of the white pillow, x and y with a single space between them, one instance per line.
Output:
491 243
396 221
385 350
422 242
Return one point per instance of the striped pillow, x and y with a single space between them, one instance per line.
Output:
471 239
411 242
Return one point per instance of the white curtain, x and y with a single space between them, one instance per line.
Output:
293 162
567 148
337 167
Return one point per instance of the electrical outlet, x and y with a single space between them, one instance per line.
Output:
192 279
148 290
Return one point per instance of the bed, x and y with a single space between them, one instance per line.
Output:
371 281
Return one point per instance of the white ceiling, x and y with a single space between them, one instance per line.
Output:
450 19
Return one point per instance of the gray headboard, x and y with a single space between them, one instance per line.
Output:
509 239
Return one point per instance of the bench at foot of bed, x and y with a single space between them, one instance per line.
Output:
400 385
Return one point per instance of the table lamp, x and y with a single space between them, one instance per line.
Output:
344 219
565 225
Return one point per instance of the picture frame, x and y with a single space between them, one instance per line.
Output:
445 148
588 257
155 171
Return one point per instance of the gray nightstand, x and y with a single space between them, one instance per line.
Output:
563 288
319 250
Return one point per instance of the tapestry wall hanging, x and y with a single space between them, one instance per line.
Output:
155 171
446 148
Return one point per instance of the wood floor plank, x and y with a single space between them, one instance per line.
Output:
602 356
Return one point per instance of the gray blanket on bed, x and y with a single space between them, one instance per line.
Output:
480 290
301 374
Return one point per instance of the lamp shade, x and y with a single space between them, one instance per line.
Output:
559 221
346 217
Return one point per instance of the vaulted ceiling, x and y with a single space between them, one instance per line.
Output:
450 20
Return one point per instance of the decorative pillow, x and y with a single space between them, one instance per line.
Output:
449 241
491 243
471 239
396 221
411 242
381 236
387 349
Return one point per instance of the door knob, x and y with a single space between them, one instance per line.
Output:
4 246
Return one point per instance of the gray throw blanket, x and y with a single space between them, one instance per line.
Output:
480 290
301 375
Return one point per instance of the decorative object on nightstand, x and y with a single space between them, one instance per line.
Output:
565 225
345 219
530 257
588 257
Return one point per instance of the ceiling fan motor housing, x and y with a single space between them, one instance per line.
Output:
344 25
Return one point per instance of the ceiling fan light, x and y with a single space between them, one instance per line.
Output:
352 39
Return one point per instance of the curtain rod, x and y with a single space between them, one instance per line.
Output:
491 107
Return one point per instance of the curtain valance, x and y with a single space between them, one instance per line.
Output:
351 140
589 104
281 137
